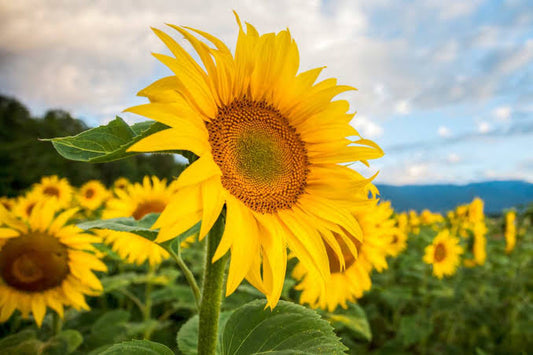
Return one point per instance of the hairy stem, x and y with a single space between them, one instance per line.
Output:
211 292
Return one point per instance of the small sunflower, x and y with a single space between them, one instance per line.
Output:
25 204
92 195
444 254
44 262
137 200
7 202
121 183
57 188
510 231
271 146
350 277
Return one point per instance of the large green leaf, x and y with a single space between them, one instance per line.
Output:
188 334
142 227
353 319
138 347
288 329
105 143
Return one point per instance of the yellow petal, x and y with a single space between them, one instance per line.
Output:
172 139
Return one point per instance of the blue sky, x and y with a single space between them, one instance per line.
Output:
445 87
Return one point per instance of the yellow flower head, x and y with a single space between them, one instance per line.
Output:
121 183
444 254
510 231
92 195
350 276
56 188
44 262
137 200
270 143
7 202
26 203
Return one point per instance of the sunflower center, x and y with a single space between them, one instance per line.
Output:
143 208
89 193
262 158
440 253
34 262
29 208
349 259
51 191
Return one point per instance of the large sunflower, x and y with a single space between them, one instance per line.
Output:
350 277
45 263
270 143
137 200
444 254
56 188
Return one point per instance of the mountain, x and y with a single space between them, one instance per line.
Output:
497 195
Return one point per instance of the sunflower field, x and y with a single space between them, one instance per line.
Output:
269 240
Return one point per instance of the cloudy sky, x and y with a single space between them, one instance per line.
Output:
445 87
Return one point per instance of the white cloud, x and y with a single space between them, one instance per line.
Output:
502 113
403 107
453 158
444 131
367 128
483 127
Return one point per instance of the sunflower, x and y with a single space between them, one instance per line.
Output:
443 254
350 277
56 188
92 195
510 231
270 144
121 183
7 202
480 243
45 263
137 200
26 203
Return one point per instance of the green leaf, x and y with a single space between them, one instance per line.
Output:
142 227
138 347
16 339
188 334
109 328
352 319
64 343
125 224
414 329
288 329
105 143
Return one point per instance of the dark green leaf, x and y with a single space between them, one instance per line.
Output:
105 143
188 334
64 343
352 319
288 329
15 339
138 347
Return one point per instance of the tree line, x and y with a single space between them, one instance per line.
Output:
24 159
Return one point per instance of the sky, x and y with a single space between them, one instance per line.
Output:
444 87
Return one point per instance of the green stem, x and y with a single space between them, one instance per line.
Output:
133 298
211 292
56 324
188 275
147 312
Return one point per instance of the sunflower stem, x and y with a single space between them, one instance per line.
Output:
57 324
211 292
189 276
147 311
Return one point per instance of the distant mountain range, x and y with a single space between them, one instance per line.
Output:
497 195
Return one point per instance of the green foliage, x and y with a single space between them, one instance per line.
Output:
24 159
187 338
352 320
105 143
138 347
287 329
